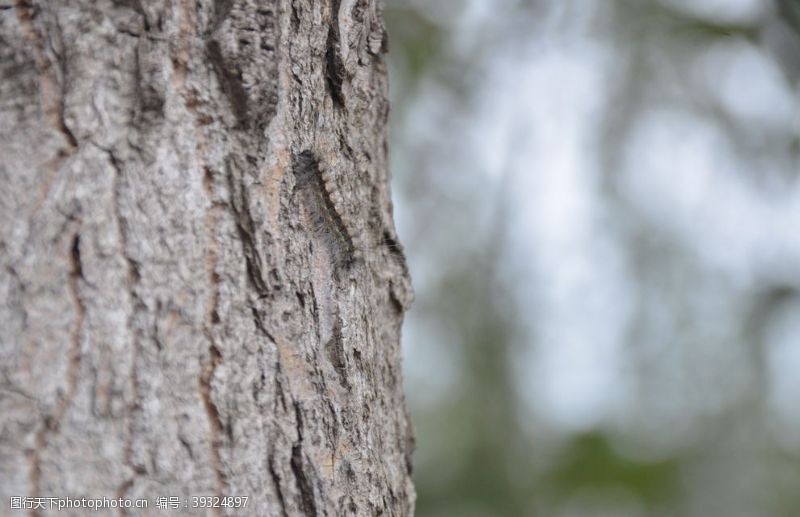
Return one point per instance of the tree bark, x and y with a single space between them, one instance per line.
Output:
201 289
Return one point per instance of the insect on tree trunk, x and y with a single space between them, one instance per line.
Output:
201 289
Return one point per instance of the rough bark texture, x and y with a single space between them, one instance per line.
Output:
201 289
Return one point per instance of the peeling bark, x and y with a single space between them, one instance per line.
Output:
201 288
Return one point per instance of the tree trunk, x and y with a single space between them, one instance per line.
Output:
201 289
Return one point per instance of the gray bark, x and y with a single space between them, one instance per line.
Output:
201 289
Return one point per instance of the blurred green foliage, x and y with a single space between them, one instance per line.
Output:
474 456
480 448
590 460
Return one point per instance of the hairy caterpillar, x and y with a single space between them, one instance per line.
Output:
346 245
323 202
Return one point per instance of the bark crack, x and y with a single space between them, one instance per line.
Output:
212 214
276 481
52 91
334 67
212 318
304 484
231 83
53 421
187 31
214 421
247 231
52 87
135 305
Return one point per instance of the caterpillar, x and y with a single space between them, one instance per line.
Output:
346 245
323 201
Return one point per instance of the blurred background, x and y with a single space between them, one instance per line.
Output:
600 203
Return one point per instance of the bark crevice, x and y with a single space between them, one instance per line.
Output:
52 421
215 424
135 305
52 87
276 482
